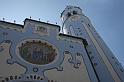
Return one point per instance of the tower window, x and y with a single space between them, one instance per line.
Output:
89 25
69 14
121 70
74 12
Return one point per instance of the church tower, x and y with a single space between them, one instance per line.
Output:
42 52
105 65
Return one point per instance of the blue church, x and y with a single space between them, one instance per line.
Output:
42 52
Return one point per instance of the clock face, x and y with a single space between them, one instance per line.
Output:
74 18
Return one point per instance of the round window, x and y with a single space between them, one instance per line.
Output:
37 52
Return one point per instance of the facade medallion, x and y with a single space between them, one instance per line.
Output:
37 52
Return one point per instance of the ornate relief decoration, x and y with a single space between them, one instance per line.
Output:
76 63
41 30
26 78
38 53
16 78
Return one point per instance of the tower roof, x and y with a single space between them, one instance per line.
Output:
69 7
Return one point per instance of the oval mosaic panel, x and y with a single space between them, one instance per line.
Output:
37 52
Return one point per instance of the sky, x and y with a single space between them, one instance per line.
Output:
107 16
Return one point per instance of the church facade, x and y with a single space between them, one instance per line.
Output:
44 52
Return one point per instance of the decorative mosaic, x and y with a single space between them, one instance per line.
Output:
38 53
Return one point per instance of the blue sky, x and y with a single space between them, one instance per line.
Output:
107 16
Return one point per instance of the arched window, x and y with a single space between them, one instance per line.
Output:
74 12
68 14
